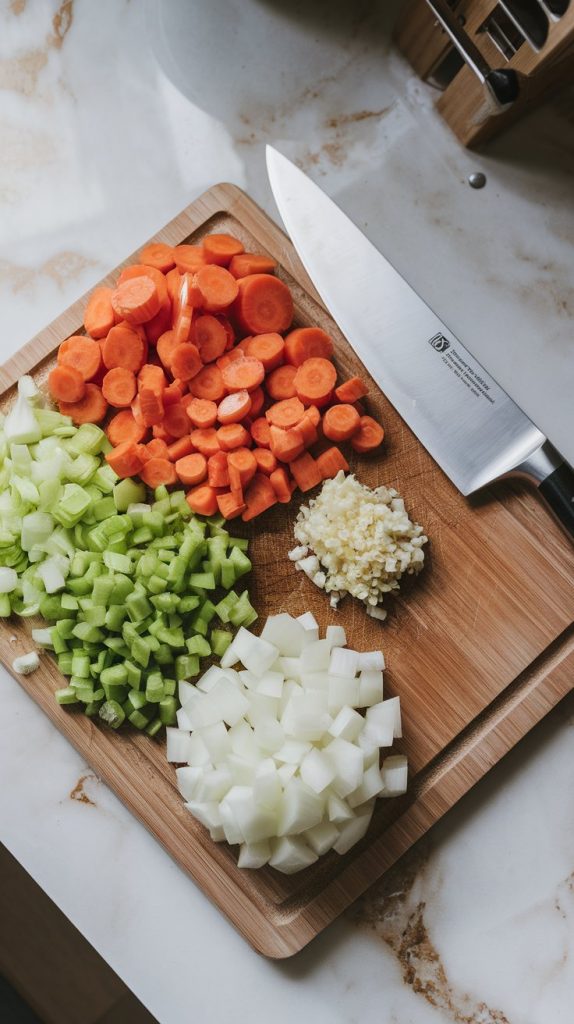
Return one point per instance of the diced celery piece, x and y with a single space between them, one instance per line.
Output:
242 611
123 586
69 602
114 617
80 665
240 561
164 655
173 637
96 616
140 719
207 611
165 602
188 603
140 652
112 713
167 711
66 695
65 662
115 691
65 628
102 590
225 606
227 574
115 674
92 709
117 563
156 585
198 645
154 727
220 640
203 580
154 522
239 542
138 606
88 438
136 701
142 536
84 631
133 675
170 687
104 508
186 666
154 687
82 469
105 478
128 492
72 505
58 643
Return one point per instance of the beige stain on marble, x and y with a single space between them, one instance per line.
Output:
60 269
391 910
20 74
78 792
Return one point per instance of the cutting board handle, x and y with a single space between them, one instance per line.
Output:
558 490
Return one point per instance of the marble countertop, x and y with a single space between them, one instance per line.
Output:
112 118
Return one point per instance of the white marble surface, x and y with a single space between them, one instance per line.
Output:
113 116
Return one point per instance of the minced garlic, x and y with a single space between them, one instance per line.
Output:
354 540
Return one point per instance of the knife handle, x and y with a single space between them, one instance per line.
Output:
558 490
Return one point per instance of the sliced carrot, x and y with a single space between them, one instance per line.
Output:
136 300
203 500
312 413
285 414
173 395
125 347
119 387
192 469
233 435
159 431
151 376
248 263
165 348
268 348
315 380
369 435
157 472
351 390
157 449
123 427
221 249
160 323
180 448
261 432
228 328
259 496
83 354
217 470
186 361
340 422
136 409
307 427
243 374
330 462
208 384
92 408
173 283
126 459
202 413
158 255
141 270
150 407
264 304
286 445
305 471
66 384
99 316
307 343
210 337
280 383
188 258
234 407
230 357
182 310
205 441
242 467
280 483
257 402
231 504
176 420
266 461
215 288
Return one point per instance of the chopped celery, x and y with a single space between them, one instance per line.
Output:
128 492
220 640
112 713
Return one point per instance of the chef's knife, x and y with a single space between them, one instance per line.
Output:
470 426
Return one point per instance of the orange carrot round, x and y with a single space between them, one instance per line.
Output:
185 361
369 435
234 407
158 255
228 328
188 258
261 433
280 383
208 384
286 445
124 427
268 348
92 408
231 504
217 471
176 420
202 412
205 441
136 300
119 387
266 461
308 426
66 384
305 471
330 462
264 304
233 435
248 263
150 406
202 500
259 496
99 316
307 343
231 356
192 469
351 390
257 402
285 414
157 449
153 377
157 472
125 347
279 480
216 288
210 337
180 448
340 422
221 249
242 467
243 374
160 323
126 459
141 270
166 344
83 354
315 380
182 311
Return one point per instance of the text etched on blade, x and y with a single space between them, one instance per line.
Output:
462 369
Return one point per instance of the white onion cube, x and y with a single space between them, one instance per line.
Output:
343 691
370 687
372 784
347 760
322 837
254 855
336 636
338 809
177 745
395 773
197 752
316 770
290 855
207 813
271 685
347 724
316 657
216 740
187 780
299 810
371 660
285 633
352 831
292 752
343 662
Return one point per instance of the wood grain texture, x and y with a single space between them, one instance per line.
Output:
480 646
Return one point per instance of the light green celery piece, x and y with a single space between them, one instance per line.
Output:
5 607
128 492
72 505
88 438
26 489
112 713
104 508
117 563
220 640
105 478
154 727
198 645
82 468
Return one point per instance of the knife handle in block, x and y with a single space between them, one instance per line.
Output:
558 490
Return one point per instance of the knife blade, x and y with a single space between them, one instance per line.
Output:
464 419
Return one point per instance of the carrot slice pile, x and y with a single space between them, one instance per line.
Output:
202 380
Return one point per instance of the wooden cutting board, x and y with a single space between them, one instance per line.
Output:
480 646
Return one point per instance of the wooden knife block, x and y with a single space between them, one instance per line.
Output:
464 102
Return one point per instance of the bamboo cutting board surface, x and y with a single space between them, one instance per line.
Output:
479 647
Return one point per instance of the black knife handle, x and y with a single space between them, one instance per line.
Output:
558 490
